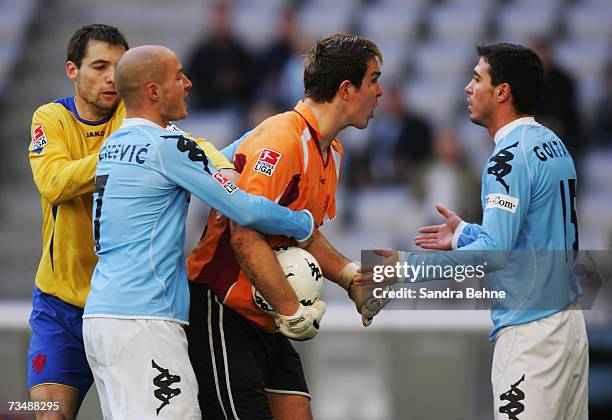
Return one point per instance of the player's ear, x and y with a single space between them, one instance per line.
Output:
344 90
503 92
153 91
72 70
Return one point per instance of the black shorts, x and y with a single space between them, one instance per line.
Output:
236 362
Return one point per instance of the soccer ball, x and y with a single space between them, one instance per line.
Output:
303 273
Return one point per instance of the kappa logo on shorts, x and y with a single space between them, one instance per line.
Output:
266 164
513 396
225 183
39 140
39 362
163 382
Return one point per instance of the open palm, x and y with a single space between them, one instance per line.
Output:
439 236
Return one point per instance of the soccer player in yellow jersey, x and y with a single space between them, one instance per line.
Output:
67 135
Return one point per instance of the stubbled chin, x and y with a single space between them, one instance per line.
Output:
107 106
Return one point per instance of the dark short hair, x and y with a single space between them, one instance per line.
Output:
335 59
78 44
518 66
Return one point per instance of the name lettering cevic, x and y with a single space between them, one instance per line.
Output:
124 153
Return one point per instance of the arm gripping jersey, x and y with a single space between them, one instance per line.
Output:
143 183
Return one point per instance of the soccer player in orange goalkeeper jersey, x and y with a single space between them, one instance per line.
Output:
246 366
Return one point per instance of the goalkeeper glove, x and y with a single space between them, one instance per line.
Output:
304 324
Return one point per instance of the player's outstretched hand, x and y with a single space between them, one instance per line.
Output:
304 324
439 236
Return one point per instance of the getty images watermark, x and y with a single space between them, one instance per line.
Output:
522 280
407 273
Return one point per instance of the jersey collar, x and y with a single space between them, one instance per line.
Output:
70 104
130 122
302 109
506 129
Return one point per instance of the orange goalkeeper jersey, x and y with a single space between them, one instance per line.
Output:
63 155
281 160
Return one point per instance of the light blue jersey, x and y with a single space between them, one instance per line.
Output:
529 231
143 182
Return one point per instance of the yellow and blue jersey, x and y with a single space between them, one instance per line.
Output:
63 155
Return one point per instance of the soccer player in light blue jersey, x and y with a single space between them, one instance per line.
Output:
139 298
528 238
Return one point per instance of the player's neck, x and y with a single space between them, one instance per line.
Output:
88 112
147 115
327 122
502 120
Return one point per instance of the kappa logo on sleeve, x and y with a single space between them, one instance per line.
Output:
39 140
502 201
501 165
266 164
225 183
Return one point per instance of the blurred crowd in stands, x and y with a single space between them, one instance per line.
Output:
401 147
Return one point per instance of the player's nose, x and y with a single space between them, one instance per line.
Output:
110 77
187 83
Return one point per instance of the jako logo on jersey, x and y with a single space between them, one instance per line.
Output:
39 362
94 134
268 159
501 167
225 183
502 201
39 140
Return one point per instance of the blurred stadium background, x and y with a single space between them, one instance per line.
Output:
244 57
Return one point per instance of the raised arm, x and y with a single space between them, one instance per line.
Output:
187 164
